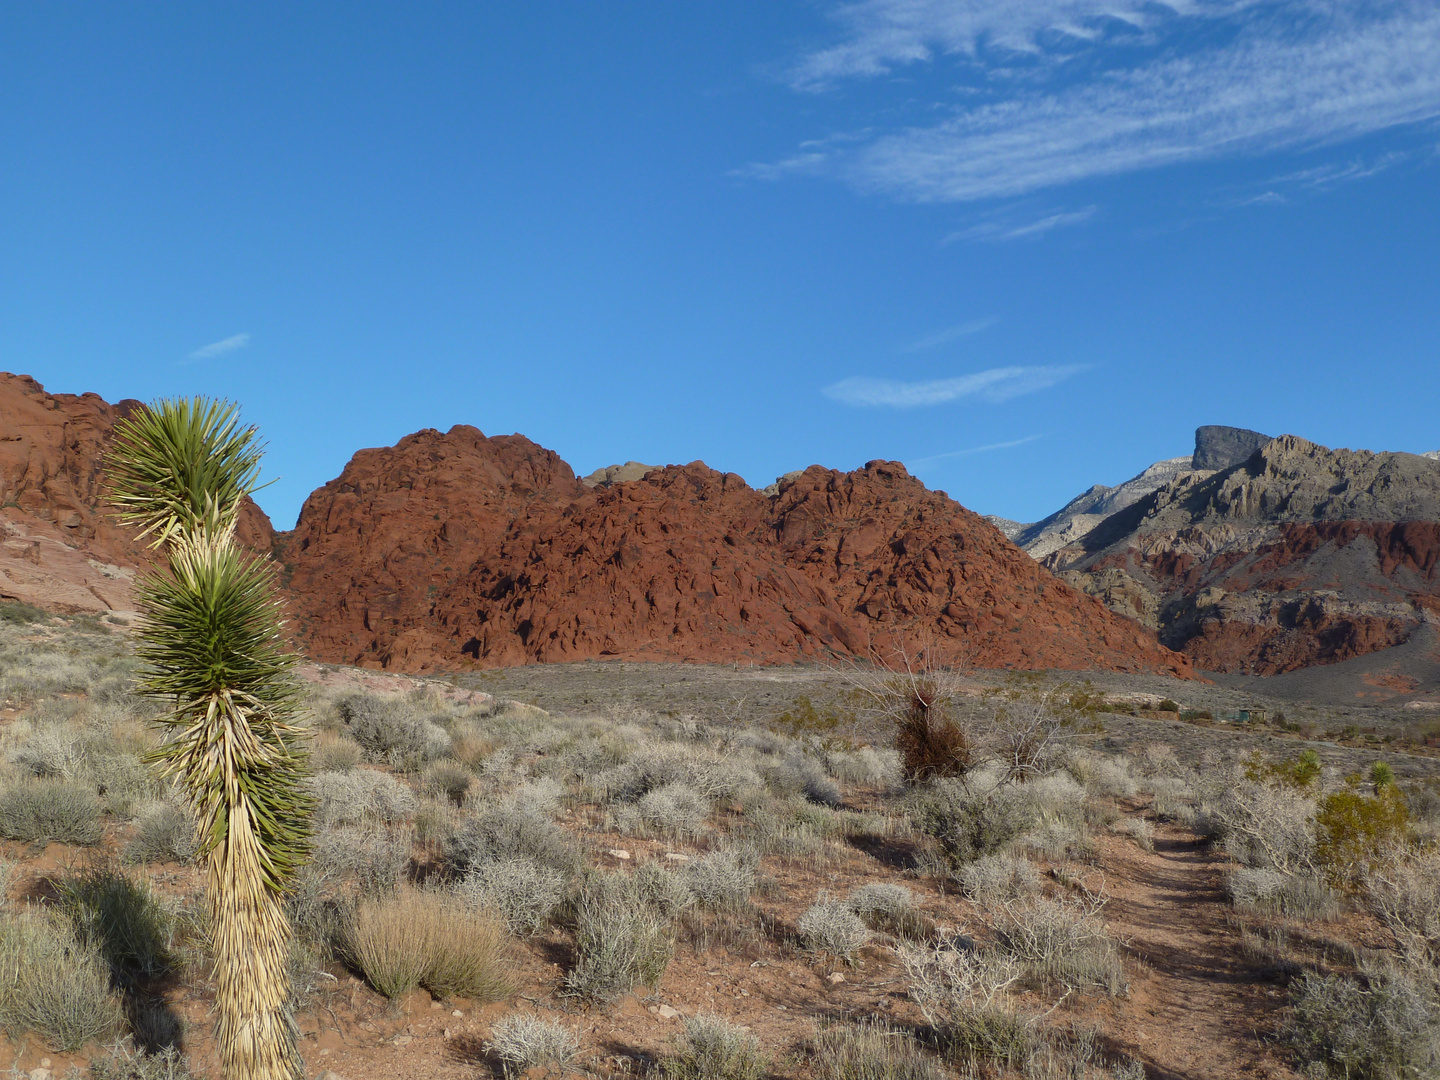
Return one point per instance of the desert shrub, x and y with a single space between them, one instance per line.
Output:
125 1062
21 613
53 751
676 809
1060 940
392 730
53 984
1355 832
40 811
363 795
523 1041
1138 829
870 1051
1263 825
805 776
1406 897
1175 799
715 1049
1056 841
830 927
1103 774
966 825
621 942
667 891
993 879
1301 773
931 744
164 832
775 827
1379 1029
1293 896
372 858
512 832
121 919
866 766
122 782
521 891
450 779
722 879
964 995
714 777
1167 705
888 908
333 753
425 939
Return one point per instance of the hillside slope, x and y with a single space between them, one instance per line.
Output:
1300 555
61 548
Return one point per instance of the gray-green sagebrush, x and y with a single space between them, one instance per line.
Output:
211 643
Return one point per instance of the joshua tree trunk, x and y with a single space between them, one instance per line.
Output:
212 645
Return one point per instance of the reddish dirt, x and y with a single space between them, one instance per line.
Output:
1196 1008
60 546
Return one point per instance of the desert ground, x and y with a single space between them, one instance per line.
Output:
681 871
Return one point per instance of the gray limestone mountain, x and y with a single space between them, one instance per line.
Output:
1297 555
1216 447
1433 455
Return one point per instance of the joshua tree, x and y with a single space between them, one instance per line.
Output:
212 646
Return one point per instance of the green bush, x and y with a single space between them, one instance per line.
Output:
967 826
1356 832
41 811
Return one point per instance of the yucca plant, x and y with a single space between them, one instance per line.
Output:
212 647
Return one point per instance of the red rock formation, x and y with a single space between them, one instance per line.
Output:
692 564
62 548
374 545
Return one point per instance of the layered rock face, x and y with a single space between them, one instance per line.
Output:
62 548
691 564
1300 555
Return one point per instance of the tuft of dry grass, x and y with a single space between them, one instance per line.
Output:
426 939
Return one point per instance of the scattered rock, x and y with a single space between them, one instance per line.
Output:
835 978
402 1040
619 853
675 856
665 1012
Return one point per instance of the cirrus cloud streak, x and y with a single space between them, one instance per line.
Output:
994 385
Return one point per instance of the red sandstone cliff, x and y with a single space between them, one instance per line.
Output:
61 547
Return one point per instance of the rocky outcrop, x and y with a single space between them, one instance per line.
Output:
62 548
1218 447
693 564
1073 521
374 547
1300 555
616 474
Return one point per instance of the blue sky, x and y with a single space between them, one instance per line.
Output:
1021 247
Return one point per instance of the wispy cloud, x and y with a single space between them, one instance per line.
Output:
220 348
920 463
1013 230
949 334
994 386
1185 80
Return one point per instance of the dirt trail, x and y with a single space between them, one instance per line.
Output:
1197 1009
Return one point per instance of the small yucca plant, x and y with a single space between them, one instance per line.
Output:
212 645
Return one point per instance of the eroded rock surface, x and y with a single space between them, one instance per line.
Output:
1299 555
60 546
